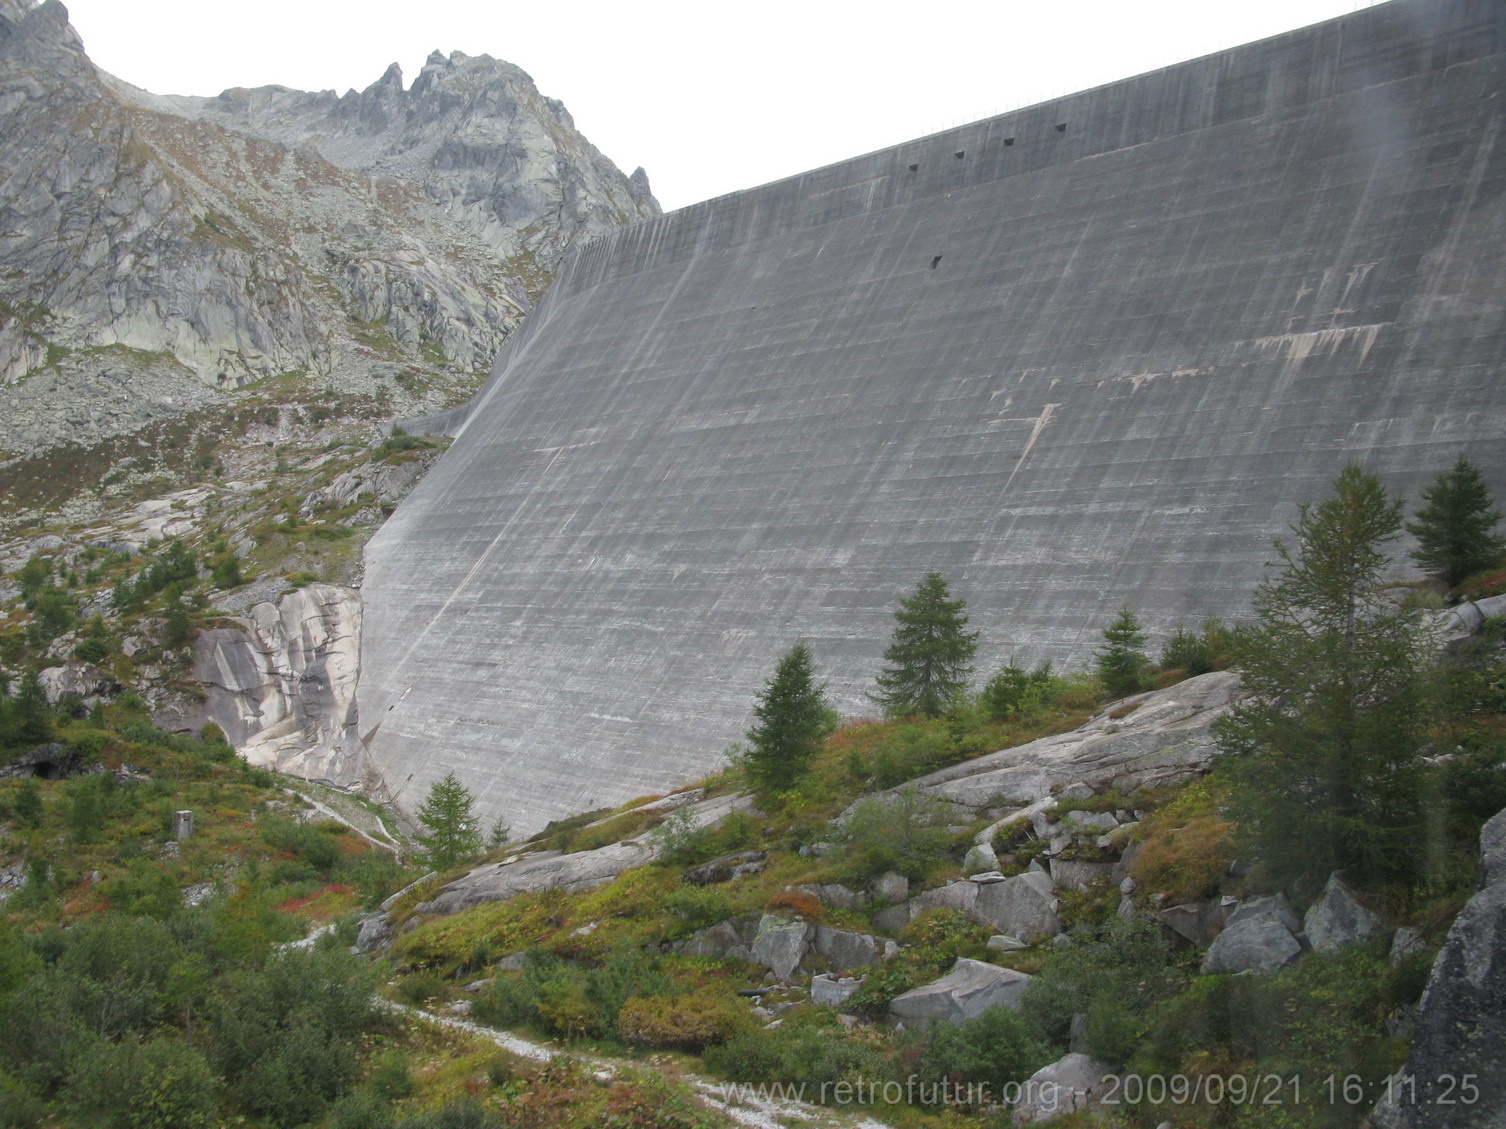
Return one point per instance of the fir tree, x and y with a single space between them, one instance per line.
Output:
28 803
1328 768
30 715
793 718
453 835
1122 659
930 655
1455 530
178 627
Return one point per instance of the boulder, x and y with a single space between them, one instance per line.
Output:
498 881
1023 906
726 940
891 888
843 950
1071 874
833 990
1259 938
374 933
1003 943
1075 1082
1405 943
1089 825
1336 919
1198 922
726 868
893 919
1271 905
980 858
965 992
780 944
1166 738
959 896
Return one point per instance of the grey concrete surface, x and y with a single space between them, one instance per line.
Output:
1066 367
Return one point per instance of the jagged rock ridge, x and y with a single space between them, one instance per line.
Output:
474 132
151 253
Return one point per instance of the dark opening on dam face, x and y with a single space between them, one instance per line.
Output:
1090 352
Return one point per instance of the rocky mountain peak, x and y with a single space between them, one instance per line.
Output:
157 252
474 132
40 36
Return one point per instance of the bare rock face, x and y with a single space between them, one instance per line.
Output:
157 251
1166 737
1461 1020
474 132
281 683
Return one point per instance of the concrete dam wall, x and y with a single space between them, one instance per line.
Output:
1090 352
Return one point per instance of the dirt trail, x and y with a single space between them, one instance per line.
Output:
744 1105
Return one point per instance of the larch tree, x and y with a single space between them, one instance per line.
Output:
1327 747
930 655
453 834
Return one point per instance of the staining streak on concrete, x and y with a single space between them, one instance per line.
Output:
764 417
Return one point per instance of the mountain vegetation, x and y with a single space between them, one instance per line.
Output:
930 656
1456 527
242 1023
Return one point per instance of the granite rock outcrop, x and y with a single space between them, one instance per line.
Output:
281 683
155 254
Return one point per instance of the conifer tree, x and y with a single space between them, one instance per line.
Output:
793 717
30 716
1122 659
178 627
930 655
1455 530
1327 746
453 835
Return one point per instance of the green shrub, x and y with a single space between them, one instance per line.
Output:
1322 1018
937 937
287 1035
573 1002
363 1109
319 851
810 1047
1015 691
421 987
27 803
882 985
390 1076
990 1051
91 650
1112 973
19 1108
905 833
691 1022
162 1083
699 906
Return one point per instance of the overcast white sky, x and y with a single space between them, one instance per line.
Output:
708 97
